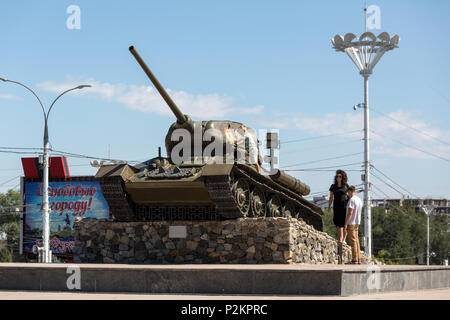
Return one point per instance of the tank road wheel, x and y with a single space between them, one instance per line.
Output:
274 207
241 193
289 210
258 202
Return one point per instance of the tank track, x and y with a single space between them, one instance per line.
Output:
219 188
114 193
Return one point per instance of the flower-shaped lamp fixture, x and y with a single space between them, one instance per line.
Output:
367 51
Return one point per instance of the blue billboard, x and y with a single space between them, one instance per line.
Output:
67 200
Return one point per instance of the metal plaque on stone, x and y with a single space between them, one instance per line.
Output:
177 232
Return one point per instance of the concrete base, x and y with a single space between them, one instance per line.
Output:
301 279
240 241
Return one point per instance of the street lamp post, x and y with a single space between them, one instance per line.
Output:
428 210
365 53
428 239
45 214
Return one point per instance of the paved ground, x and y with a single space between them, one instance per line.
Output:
438 294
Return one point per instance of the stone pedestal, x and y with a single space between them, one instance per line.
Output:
251 240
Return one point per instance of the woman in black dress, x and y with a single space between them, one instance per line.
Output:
338 196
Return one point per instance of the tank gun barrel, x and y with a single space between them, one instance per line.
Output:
176 111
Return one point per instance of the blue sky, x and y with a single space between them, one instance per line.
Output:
265 63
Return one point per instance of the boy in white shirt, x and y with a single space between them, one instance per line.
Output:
352 221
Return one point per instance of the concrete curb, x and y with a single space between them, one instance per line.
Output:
226 279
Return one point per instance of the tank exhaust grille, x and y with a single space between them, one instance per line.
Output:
172 213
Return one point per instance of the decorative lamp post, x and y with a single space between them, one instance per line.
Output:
47 258
365 53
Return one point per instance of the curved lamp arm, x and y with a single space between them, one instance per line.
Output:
79 87
21 84
40 102
51 106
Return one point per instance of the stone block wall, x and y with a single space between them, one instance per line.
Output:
250 240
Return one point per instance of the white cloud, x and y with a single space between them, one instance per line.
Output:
147 99
8 96
217 106
389 131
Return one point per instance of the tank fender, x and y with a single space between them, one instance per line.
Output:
217 170
123 170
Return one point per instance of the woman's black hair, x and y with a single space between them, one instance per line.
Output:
344 177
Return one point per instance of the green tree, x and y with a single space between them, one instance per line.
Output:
10 220
5 255
439 239
399 235
328 224
393 239
418 231
12 230
8 202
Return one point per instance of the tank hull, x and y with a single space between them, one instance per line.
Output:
207 192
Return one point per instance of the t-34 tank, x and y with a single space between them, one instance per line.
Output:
199 182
